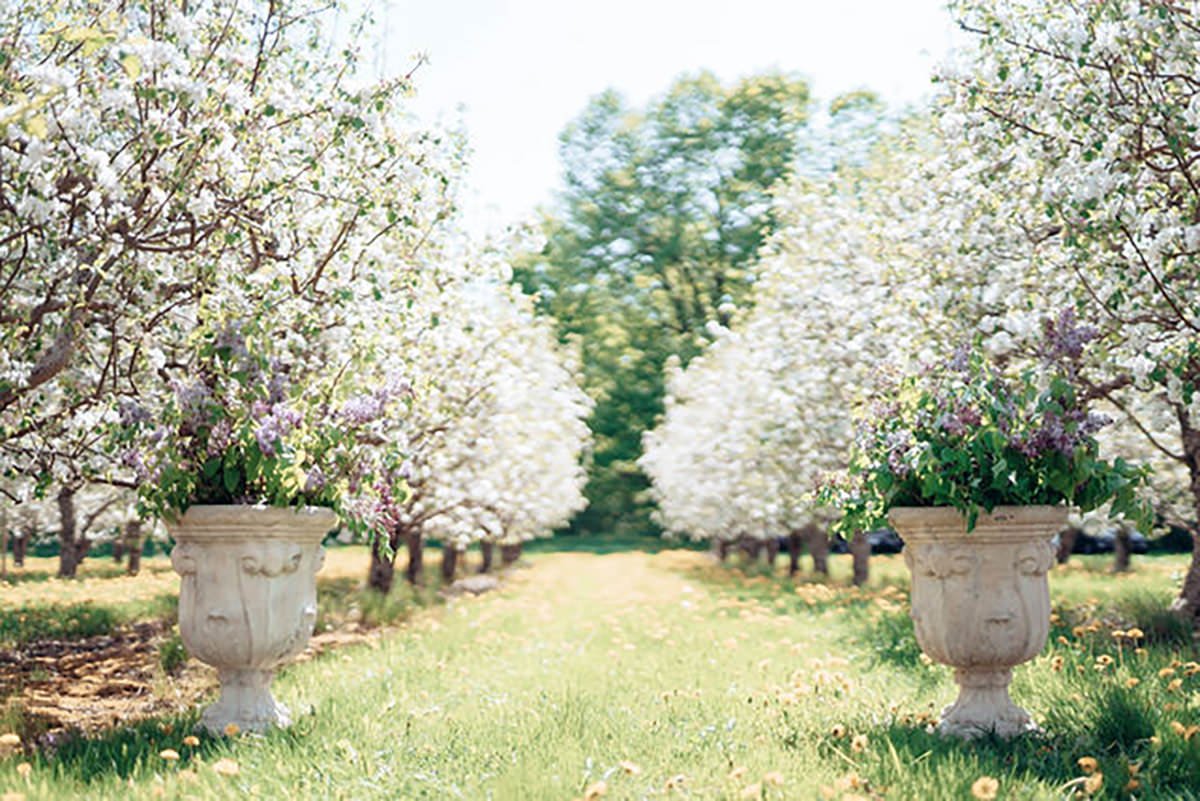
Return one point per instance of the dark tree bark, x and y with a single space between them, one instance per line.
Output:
795 543
1066 544
860 551
487 549
415 542
449 562
818 548
133 545
20 543
118 551
772 551
723 550
1122 551
510 553
753 547
70 552
382 572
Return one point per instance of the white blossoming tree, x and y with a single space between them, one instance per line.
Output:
1101 99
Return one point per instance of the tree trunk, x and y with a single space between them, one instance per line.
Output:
20 543
118 551
753 548
69 553
3 542
415 543
723 550
795 542
449 562
818 548
133 544
487 549
860 550
1188 602
382 572
510 553
1121 551
772 549
1066 544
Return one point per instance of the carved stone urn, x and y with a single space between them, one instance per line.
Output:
981 603
247 600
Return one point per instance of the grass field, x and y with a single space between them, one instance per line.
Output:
642 675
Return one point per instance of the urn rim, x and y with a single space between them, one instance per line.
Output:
251 522
1002 524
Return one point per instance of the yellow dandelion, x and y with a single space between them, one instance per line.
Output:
166 728
10 740
773 779
232 730
169 754
737 773
1142 652
1093 783
595 790
226 767
1104 659
1135 634
858 743
1062 640
838 731
191 741
1088 764
1166 673
985 788
1131 785
1132 682
24 769
1174 685
1191 668
630 768
1056 664
676 782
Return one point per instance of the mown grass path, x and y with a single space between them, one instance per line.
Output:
635 676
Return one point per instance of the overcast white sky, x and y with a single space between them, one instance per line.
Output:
517 71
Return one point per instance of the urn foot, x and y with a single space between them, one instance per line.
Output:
245 702
984 706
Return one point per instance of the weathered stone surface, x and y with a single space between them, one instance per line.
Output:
247 600
981 604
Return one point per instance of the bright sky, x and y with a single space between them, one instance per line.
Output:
517 71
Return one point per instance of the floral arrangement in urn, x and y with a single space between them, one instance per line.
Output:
251 467
977 469
972 436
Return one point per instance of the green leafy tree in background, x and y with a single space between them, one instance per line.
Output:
654 238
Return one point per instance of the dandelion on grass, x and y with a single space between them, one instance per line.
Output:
1087 764
985 788
24 769
595 790
226 767
169 754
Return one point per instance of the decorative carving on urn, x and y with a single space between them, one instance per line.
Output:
247 600
981 604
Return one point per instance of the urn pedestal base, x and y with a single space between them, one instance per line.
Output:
981 604
984 707
247 601
246 702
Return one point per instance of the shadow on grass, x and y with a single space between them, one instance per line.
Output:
34 622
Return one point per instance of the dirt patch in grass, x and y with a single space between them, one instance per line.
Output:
51 687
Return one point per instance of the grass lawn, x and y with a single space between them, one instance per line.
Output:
637 675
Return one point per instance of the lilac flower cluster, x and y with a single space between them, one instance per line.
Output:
366 408
276 422
1064 338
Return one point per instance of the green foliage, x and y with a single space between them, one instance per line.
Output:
660 221
970 437
172 655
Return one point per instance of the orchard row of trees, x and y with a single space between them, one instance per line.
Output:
208 194
1051 190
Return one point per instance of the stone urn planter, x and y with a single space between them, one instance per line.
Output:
247 600
981 603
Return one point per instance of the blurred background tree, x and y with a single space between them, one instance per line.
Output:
652 240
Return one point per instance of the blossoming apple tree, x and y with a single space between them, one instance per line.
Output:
1102 98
